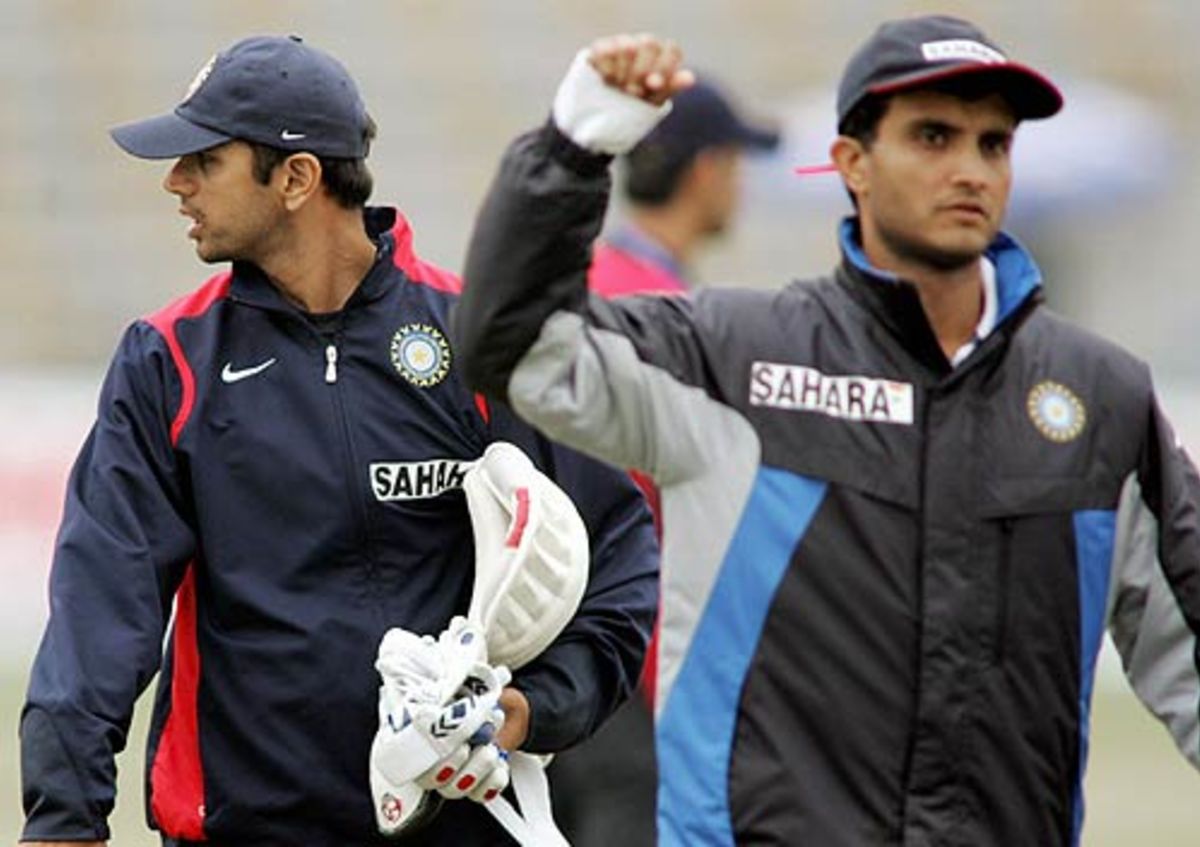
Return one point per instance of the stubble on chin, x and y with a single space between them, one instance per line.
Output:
931 255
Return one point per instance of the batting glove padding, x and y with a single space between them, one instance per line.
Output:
531 555
418 736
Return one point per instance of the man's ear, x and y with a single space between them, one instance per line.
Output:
850 158
300 178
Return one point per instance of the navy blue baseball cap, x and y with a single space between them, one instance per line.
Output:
702 116
922 51
272 90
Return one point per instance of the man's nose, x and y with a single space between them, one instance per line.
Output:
178 179
974 170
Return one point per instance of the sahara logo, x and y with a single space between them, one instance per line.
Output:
853 398
416 480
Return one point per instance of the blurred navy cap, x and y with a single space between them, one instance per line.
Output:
920 51
273 90
702 116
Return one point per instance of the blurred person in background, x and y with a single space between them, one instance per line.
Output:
683 185
901 502
280 453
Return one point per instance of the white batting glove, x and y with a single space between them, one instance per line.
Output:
416 731
478 769
483 776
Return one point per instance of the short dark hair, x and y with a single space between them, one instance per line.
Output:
862 122
653 172
348 181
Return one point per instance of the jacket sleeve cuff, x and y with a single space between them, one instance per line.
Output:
570 155
566 704
598 117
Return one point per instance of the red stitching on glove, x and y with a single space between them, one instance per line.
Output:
520 520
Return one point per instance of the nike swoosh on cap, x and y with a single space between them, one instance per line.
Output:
228 374
288 135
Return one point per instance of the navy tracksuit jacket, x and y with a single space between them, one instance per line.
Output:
292 486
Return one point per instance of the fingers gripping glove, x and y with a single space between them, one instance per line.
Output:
479 768
481 777
416 731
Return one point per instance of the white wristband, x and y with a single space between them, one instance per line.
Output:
598 117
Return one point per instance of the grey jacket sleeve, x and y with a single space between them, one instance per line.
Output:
1154 605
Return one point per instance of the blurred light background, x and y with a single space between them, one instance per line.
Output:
1107 196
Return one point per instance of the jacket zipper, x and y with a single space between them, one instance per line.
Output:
331 357
910 748
357 503
1003 584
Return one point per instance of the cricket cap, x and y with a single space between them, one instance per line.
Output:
918 52
273 90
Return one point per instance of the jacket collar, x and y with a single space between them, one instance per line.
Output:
385 226
896 304
641 245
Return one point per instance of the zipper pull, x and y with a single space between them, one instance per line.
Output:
331 364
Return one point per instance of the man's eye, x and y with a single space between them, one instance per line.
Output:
997 145
933 136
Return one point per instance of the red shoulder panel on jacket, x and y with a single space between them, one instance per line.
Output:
164 320
416 268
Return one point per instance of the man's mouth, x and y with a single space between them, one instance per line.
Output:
196 222
967 209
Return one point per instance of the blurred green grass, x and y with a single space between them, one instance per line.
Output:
1140 791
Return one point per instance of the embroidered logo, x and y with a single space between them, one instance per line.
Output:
853 398
230 376
960 49
421 354
391 808
416 480
199 79
1056 411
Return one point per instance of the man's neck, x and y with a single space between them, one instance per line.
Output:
953 299
953 302
669 227
323 261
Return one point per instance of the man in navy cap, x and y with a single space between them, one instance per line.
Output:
902 501
272 482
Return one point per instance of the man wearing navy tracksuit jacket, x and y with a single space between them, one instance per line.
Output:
901 501
282 460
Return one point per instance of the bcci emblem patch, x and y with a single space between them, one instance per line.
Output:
421 353
1056 412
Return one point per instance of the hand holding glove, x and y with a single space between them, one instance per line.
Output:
421 743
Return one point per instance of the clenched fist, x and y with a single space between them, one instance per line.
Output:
643 66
